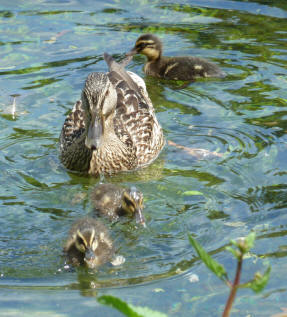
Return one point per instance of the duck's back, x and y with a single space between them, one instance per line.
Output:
135 122
133 140
183 68
106 200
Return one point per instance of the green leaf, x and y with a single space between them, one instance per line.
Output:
250 240
244 244
129 310
192 193
118 304
213 265
236 253
259 281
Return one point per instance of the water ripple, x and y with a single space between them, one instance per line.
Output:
240 121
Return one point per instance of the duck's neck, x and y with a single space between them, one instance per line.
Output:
111 156
106 159
154 56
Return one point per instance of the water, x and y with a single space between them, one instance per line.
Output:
47 50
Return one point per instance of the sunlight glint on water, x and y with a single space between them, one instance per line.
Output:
47 51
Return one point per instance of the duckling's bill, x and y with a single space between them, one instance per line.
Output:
140 217
90 258
132 52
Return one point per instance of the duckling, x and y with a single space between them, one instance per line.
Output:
178 68
88 243
114 201
113 127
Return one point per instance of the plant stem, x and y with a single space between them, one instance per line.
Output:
234 288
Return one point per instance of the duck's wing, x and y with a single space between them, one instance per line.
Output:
74 125
73 152
135 122
120 70
131 80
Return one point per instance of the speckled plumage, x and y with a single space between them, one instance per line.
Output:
88 243
177 68
128 135
114 201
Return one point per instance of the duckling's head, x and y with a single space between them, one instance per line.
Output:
99 100
132 203
149 45
92 246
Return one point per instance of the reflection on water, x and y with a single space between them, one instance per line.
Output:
47 51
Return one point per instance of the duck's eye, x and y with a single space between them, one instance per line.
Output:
80 245
81 248
80 240
141 46
130 204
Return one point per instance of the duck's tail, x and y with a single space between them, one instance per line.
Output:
111 62
119 69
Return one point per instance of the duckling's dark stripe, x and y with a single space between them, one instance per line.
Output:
141 47
144 44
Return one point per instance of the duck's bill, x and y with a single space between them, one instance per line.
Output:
90 259
132 52
95 131
140 218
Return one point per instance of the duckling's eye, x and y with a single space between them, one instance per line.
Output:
80 245
130 204
141 46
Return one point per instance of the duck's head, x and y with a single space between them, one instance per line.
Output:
99 100
89 244
149 45
132 203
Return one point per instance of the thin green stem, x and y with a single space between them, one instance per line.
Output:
234 288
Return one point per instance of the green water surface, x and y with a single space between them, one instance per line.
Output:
47 49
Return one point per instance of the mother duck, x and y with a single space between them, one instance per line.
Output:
113 127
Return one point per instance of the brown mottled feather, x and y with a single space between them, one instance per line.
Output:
132 139
91 230
177 68
73 152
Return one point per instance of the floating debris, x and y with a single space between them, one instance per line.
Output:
235 224
118 260
9 111
198 153
54 38
193 278
13 110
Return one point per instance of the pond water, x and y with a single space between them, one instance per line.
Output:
47 50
